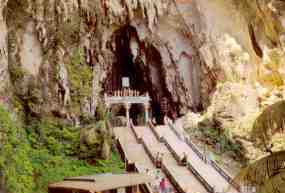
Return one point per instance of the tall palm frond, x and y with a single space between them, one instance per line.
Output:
266 175
269 122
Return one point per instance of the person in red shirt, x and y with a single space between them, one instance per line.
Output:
162 186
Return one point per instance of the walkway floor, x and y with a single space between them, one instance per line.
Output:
205 170
181 175
143 151
135 153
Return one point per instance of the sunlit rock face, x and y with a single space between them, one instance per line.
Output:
241 44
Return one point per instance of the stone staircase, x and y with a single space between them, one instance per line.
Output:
183 179
204 171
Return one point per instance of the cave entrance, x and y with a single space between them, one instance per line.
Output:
126 51
142 78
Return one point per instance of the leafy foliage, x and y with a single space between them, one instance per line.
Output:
58 138
270 121
16 72
15 163
48 168
32 157
69 30
80 76
266 175
215 136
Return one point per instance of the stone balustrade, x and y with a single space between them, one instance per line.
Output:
126 92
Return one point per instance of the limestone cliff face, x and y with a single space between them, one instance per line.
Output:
64 54
61 56
242 46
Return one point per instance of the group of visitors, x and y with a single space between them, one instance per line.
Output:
160 185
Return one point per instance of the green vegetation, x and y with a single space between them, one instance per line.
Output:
43 152
269 122
223 139
266 175
219 142
68 33
96 137
16 73
80 76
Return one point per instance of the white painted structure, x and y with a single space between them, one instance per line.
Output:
127 97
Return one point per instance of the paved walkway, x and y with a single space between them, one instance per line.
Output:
186 181
143 154
135 153
141 144
205 170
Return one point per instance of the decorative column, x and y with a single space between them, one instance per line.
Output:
146 110
127 106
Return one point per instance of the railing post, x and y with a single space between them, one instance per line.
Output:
127 106
146 109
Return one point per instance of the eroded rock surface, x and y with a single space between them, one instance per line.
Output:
61 56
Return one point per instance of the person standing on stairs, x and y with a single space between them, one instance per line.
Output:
162 186
184 159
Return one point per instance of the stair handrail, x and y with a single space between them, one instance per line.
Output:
213 163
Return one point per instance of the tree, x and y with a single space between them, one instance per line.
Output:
266 175
269 122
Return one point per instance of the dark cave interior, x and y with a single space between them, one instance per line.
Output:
144 78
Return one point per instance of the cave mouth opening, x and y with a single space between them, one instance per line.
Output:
143 78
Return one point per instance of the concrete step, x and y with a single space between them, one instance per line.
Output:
206 172
183 179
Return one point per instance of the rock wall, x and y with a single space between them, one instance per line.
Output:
3 48
50 41
241 46
63 55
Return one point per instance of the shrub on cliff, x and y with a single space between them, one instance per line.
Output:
30 158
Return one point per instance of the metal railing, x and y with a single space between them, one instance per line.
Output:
152 127
132 126
223 173
191 168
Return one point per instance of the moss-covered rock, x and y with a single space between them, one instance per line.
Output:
80 77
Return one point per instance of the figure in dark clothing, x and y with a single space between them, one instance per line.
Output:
184 159
158 160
